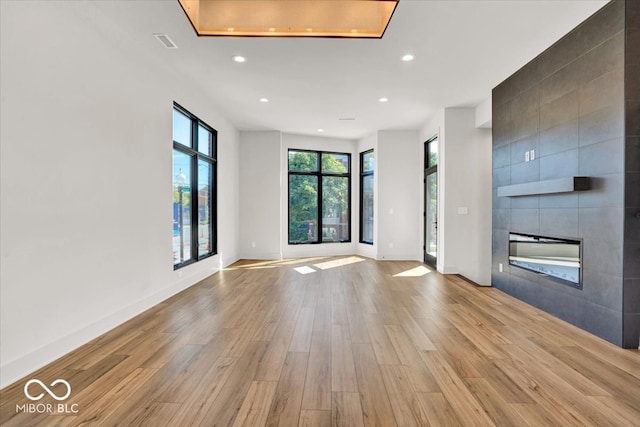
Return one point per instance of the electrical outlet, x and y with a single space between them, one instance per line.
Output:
500 268
526 156
253 244
532 155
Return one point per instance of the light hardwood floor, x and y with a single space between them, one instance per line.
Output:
353 342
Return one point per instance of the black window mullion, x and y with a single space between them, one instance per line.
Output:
195 208
213 196
363 175
214 144
349 204
319 235
361 206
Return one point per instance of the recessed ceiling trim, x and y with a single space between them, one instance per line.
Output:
290 18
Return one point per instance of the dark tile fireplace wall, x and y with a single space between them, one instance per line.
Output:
576 105
631 290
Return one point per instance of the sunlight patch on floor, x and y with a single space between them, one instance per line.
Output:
418 271
257 264
305 269
301 260
338 262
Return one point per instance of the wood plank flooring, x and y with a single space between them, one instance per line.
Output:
352 343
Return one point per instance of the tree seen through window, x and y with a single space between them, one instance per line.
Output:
319 184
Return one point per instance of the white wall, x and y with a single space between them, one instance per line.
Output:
397 183
464 171
326 144
484 114
399 174
260 195
86 168
468 183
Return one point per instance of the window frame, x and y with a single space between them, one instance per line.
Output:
195 157
364 174
429 144
319 174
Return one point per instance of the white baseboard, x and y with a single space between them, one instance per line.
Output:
448 269
398 257
16 369
368 251
261 255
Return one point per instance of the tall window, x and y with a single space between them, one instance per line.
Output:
367 166
319 197
431 201
194 189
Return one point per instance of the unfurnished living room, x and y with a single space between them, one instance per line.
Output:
320 212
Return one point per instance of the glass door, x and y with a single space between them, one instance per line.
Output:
431 202
431 218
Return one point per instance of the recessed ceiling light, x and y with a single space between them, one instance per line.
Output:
383 99
320 130
239 58
408 57
264 100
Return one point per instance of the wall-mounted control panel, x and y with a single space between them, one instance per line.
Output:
530 155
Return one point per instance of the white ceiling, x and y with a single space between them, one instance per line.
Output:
462 48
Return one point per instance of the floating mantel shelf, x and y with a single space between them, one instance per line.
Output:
562 185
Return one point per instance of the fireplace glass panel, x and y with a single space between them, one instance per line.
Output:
557 258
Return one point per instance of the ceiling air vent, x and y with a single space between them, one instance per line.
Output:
166 41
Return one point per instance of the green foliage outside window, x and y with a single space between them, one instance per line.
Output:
304 198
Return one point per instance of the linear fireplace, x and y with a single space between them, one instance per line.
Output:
557 258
